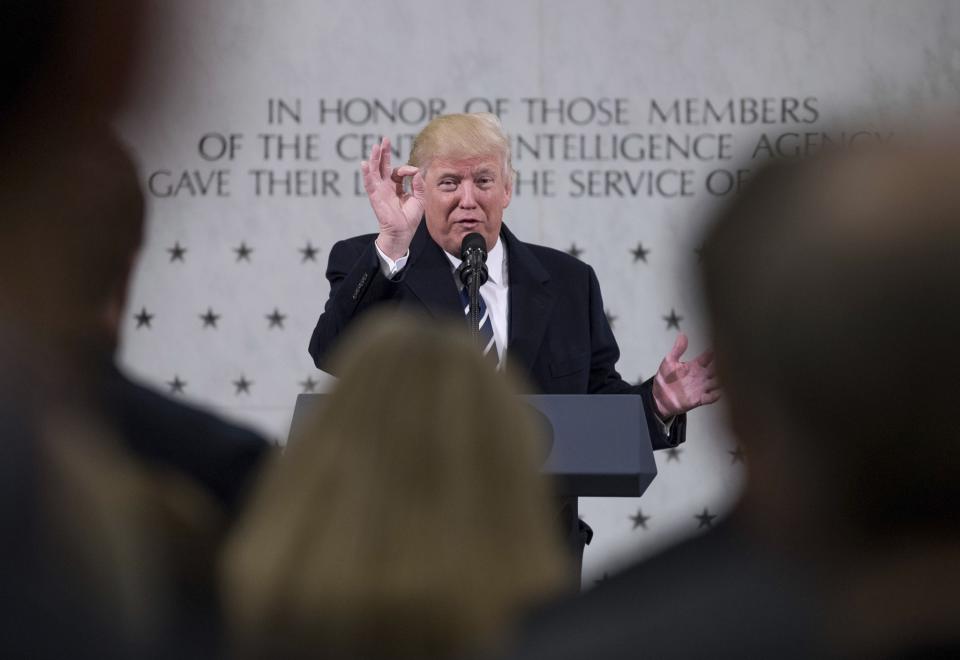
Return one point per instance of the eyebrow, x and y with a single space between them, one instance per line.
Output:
443 174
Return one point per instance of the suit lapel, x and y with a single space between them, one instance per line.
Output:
531 301
431 281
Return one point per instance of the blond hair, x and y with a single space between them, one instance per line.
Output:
408 519
460 136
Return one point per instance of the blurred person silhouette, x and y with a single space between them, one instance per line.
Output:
90 534
64 63
73 225
78 575
407 519
831 286
64 66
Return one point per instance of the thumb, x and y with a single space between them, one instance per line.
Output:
404 171
419 187
679 346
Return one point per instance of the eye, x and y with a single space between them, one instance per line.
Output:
447 184
485 181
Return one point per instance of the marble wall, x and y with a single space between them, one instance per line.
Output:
630 120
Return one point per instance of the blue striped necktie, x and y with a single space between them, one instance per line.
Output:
486 326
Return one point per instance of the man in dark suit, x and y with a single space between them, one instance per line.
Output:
543 308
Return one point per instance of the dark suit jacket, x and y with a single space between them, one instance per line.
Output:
719 595
558 333
218 456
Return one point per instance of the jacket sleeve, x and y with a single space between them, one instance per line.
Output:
604 378
356 285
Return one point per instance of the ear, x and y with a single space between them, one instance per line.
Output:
508 189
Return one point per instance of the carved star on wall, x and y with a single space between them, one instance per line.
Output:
243 251
706 518
574 251
242 385
673 319
176 385
210 318
673 454
177 252
309 253
639 520
276 319
308 385
639 253
143 318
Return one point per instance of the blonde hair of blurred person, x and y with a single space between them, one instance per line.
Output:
407 519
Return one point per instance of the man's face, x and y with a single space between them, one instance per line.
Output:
465 196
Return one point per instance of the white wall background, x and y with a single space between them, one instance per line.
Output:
214 65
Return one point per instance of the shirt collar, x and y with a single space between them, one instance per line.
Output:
495 260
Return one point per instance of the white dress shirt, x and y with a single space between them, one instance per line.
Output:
494 291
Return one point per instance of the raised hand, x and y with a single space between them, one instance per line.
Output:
682 386
398 212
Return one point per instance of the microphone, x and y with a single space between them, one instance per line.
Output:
473 273
473 253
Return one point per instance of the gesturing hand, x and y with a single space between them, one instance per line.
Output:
398 212
682 386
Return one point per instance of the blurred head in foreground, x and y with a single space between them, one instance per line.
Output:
107 530
408 519
71 225
63 63
833 286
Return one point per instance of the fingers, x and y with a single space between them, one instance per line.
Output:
710 397
419 186
398 184
373 163
400 174
705 358
368 183
679 346
385 156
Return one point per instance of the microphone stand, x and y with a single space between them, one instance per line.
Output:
473 273
474 291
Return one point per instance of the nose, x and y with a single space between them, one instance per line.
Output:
468 196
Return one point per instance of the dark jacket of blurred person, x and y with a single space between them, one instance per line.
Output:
420 530
89 533
832 288
69 244
77 571
72 218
